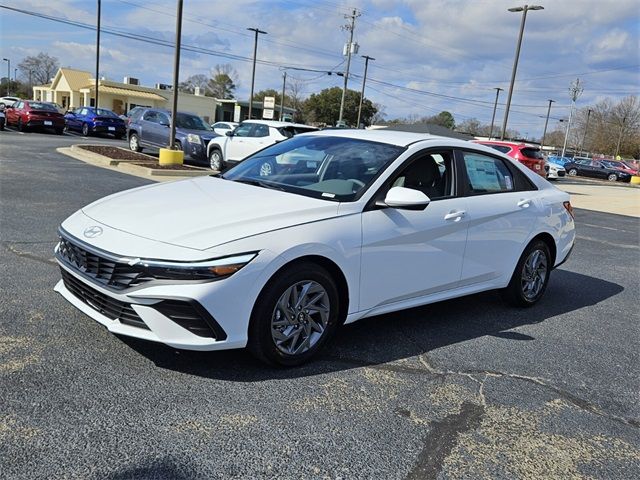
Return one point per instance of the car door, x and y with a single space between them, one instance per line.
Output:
259 137
502 208
12 112
149 128
236 145
599 169
409 254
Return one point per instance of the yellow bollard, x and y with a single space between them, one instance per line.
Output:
635 180
171 157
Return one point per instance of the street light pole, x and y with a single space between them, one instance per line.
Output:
253 72
176 76
575 90
546 122
8 75
97 53
524 11
364 81
284 84
349 27
495 106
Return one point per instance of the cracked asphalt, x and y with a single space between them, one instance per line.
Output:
468 388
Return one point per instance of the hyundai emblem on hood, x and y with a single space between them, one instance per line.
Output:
93 231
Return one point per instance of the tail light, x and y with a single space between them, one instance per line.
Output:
569 209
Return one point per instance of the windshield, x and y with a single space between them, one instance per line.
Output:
42 106
332 168
191 122
105 113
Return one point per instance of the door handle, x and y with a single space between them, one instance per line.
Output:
524 203
456 216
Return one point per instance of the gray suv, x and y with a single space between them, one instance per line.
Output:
149 128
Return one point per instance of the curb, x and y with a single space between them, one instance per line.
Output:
127 167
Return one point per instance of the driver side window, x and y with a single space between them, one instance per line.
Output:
430 173
243 130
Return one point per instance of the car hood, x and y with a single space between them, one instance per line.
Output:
202 133
206 212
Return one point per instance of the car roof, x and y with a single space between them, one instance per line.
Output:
276 124
391 137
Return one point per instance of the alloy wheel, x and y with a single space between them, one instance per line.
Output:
215 160
534 274
133 143
573 172
612 177
300 317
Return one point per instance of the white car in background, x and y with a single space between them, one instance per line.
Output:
249 137
8 101
554 171
221 128
374 222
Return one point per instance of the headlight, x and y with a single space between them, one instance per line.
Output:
193 138
215 269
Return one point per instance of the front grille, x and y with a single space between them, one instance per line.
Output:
109 307
108 272
561 173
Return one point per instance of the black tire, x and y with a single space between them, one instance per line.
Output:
21 126
261 342
572 172
85 130
612 177
515 293
216 163
134 142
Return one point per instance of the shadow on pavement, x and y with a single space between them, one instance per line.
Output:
399 335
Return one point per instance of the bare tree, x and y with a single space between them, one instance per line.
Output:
39 69
295 98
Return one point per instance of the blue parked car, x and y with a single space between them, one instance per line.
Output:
90 120
150 129
557 160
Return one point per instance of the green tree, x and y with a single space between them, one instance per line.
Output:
444 119
324 107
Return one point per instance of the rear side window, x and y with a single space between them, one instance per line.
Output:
260 130
532 153
151 116
487 174
500 148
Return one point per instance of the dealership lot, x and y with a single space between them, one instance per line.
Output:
467 387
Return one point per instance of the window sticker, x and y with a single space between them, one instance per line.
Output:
508 182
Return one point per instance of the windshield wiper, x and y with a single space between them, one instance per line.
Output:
259 183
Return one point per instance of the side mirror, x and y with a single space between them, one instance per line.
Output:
406 198
229 134
163 123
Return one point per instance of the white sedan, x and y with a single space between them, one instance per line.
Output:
346 225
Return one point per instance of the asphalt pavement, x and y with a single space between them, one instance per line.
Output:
468 388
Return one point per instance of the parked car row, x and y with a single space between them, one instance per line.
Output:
598 169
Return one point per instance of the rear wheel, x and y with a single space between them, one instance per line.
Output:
134 142
21 126
294 316
530 277
572 172
612 177
215 159
85 130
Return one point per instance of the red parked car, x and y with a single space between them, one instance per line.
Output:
618 165
529 156
28 114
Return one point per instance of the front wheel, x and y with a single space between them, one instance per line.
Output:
294 316
612 177
572 172
215 160
85 130
134 143
530 277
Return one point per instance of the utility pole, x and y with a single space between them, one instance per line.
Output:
524 11
97 53
176 76
495 106
8 75
620 138
284 84
253 72
586 129
546 122
364 81
575 90
351 26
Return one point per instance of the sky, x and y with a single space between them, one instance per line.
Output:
430 55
